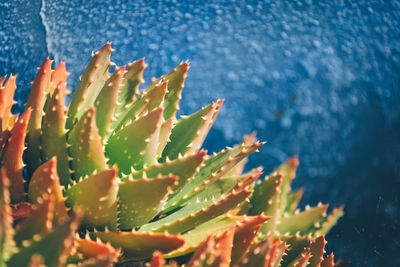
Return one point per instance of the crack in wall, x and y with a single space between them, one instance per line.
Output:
46 27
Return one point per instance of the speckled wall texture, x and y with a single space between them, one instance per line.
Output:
315 78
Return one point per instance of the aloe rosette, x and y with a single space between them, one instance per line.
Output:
122 171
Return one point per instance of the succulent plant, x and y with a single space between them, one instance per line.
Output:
122 172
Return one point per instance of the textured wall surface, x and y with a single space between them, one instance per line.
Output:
315 78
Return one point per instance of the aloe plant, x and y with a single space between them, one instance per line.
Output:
122 171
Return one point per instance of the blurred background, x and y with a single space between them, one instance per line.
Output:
319 79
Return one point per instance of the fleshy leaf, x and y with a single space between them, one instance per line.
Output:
45 181
106 101
216 190
96 196
246 231
4 135
204 254
7 244
195 237
6 100
141 200
165 132
312 255
189 132
126 147
184 168
35 102
330 221
138 246
36 261
53 247
97 253
196 213
86 147
302 260
12 157
288 171
176 79
328 261
213 168
157 260
90 84
39 222
248 139
146 102
306 222
297 245
265 200
59 78
223 248
53 140
202 132
21 211
317 249
130 83
293 200
267 253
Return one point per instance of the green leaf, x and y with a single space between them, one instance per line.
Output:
248 139
53 247
184 168
35 102
96 196
146 102
293 200
213 168
188 134
165 132
199 234
59 79
106 102
7 91
53 140
265 200
330 221
45 181
129 86
306 222
288 171
176 79
7 119
90 84
195 214
312 255
86 147
297 244
139 246
218 189
141 200
126 148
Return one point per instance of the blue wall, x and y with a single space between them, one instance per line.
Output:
315 78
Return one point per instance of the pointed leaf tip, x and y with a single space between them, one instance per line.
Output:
12 157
